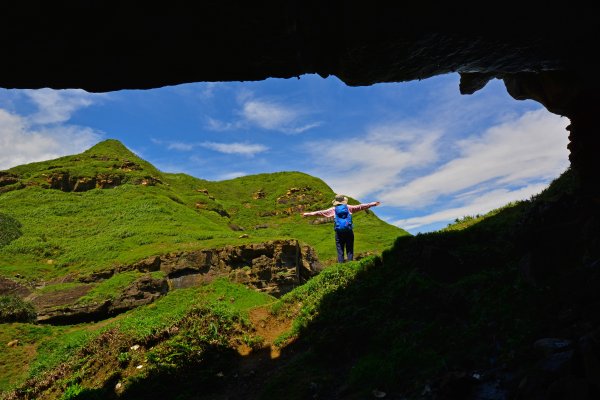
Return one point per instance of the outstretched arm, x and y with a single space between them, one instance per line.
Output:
363 206
330 212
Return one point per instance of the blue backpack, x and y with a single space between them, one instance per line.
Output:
342 222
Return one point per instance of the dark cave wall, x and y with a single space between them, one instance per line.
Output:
105 46
542 53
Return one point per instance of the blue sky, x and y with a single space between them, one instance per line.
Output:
429 154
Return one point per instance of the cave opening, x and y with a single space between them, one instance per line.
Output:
429 153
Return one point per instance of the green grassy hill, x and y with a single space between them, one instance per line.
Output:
106 206
453 314
86 213
502 305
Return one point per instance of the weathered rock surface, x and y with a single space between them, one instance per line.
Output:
62 307
68 183
7 178
10 287
274 267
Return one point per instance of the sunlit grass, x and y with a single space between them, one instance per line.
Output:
51 234
56 232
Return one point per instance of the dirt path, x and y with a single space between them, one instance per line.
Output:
269 328
257 365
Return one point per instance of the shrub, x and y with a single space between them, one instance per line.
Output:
14 309
9 229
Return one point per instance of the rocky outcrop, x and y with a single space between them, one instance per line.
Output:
9 182
69 183
144 290
259 194
296 199
7 178
299 196
563 369
10 287
273 267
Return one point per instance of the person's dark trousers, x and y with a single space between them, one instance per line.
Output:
344 240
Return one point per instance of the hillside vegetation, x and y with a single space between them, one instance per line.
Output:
110 207
498 306
64 222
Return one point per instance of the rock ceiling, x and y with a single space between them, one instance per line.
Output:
542 53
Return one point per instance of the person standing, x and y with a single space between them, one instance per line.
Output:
342 214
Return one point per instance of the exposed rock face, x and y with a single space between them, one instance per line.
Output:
143 291
297 195
68 183
52 309
274 267
7 178
10 287
259 194
563 370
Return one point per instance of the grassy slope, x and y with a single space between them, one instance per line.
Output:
64 232
51 233
448 301
43 348
399 327
453 301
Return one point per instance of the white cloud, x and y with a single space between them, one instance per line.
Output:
266 114
180 146
273 116
416 164
235 148
207 89
301 128
20 144
247 149
360 165
217 125
43 135
531 147
57 106
475 205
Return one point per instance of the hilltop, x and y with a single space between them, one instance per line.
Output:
107 206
